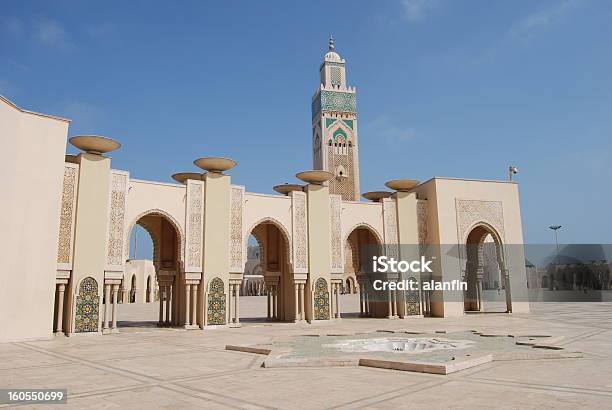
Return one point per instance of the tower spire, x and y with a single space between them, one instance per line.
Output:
332 43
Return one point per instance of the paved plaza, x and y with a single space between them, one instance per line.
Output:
147 367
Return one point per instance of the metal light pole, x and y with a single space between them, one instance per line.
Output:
511 171
556 228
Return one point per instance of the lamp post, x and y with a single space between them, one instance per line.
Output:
556 228
556 259
512 170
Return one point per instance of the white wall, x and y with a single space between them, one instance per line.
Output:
32 167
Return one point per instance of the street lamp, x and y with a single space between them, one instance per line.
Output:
512 170
556 228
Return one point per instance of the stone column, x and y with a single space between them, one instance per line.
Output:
187 304
389 305
394 302
332 308
168 303
302 296
194 304
479 293
237 303
161 309
61 288
361 300
508 290
338 300
115 296
296 316
275 301
107 304
269 300
367 301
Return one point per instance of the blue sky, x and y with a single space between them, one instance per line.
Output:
445 88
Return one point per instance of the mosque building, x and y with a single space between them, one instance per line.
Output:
67 221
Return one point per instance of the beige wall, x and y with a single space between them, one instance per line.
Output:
143 269
260 207
442 194
31 169
355 214
147 196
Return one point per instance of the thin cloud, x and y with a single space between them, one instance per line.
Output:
102 30
414 10
50 33
85 116
543 19
13 26
386 129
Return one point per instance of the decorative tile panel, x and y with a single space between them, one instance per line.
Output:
236 249
413 300
390 227
321 300
67 215
87 307
472 212
422 223
335 210
116 220
216 302
300 232
193 226
337 101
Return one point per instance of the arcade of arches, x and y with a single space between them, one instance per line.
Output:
314 237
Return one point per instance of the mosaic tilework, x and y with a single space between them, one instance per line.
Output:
338 101
349 123
216 302
321 300
87 307
413 301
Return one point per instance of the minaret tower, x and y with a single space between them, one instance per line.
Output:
334 127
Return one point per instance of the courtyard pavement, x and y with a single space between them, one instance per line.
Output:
146 367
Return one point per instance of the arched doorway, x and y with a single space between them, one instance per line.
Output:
361 243
166 275
273 295
488 284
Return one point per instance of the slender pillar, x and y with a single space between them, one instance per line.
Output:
230 303
389 305
194 304
332 308
508 291
61 288
161 308
296 316
361 300
275 301
115 296
338 300
366 296
394 302
237 302
479 294
302 296
187 304
269 294
168 303
107 304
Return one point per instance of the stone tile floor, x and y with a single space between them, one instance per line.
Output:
147 367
